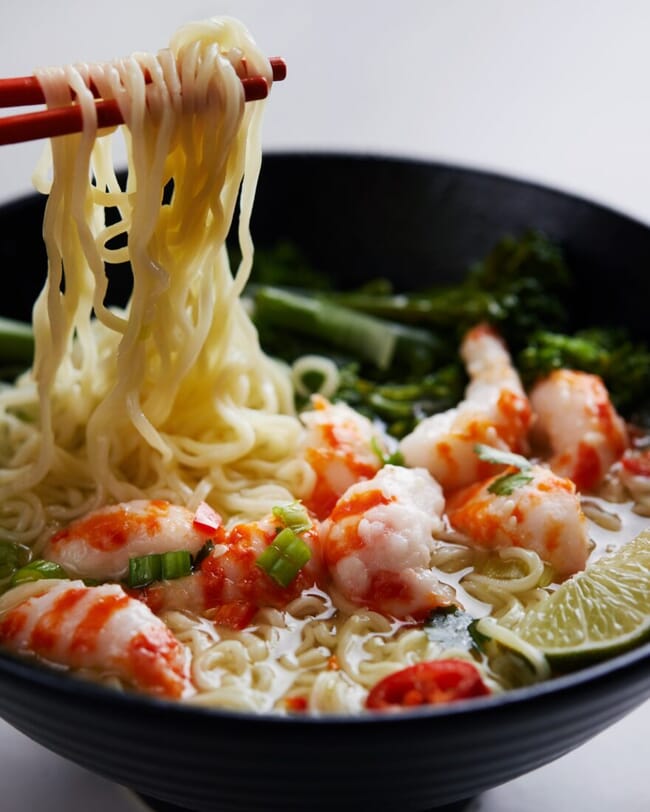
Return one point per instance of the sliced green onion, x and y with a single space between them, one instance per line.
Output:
144 570
294 516
36 570
176 564
284 557
12 557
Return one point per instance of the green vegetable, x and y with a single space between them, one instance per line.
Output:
392 458
12 557
401 405
294 516
16 342
145 569
175 564
283 559
508 483
517 287
623 364
397 351
16 348
500 457
36 570
375 341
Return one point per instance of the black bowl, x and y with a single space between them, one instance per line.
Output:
354 216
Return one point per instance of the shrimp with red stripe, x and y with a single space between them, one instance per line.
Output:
100 544
576 420
494 412
230 585
531 508
378 541
339 445
98 628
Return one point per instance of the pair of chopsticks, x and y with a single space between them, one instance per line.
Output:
26 90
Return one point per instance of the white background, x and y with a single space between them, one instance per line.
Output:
556 91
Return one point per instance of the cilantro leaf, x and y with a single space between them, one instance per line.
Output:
499 457
386 458
505 485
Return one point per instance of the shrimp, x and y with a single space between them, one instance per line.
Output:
538 511
99 628
100 544
378 540
339 447
576 418
495 412
229 586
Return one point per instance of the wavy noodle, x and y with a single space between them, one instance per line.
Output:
322 368
311 653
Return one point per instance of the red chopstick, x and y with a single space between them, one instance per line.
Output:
25 90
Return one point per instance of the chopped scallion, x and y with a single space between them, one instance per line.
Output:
284 557
36 570
175 564
144 570
294 516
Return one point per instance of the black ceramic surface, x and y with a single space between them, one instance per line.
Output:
356 217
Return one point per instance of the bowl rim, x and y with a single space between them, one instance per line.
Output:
53 678
396 158
463 168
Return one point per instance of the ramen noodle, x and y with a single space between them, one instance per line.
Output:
163 429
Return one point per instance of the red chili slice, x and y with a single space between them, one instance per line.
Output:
206 519
429 683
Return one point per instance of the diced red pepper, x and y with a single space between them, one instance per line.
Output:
235 615
296 703
206 519
428 683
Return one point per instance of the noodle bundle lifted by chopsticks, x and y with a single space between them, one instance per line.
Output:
171 398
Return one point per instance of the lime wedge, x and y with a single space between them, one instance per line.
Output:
598 613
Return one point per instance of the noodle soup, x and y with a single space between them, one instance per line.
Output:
186 517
